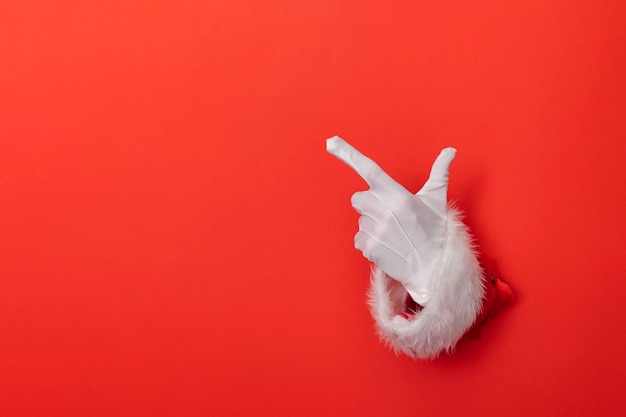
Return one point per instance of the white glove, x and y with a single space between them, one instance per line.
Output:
403 233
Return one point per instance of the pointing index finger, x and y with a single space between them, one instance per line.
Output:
364 166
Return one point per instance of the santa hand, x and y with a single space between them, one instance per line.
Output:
403 233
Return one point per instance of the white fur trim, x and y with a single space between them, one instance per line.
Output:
456 300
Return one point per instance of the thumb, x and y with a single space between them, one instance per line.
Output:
435 190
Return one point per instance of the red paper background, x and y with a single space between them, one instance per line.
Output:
174 240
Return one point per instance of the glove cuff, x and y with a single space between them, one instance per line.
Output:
455 302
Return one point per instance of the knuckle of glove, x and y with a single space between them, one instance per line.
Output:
357 201
364 244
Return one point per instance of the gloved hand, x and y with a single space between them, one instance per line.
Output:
403 233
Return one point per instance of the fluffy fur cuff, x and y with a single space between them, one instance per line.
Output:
456 300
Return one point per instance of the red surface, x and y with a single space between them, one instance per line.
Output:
174 240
